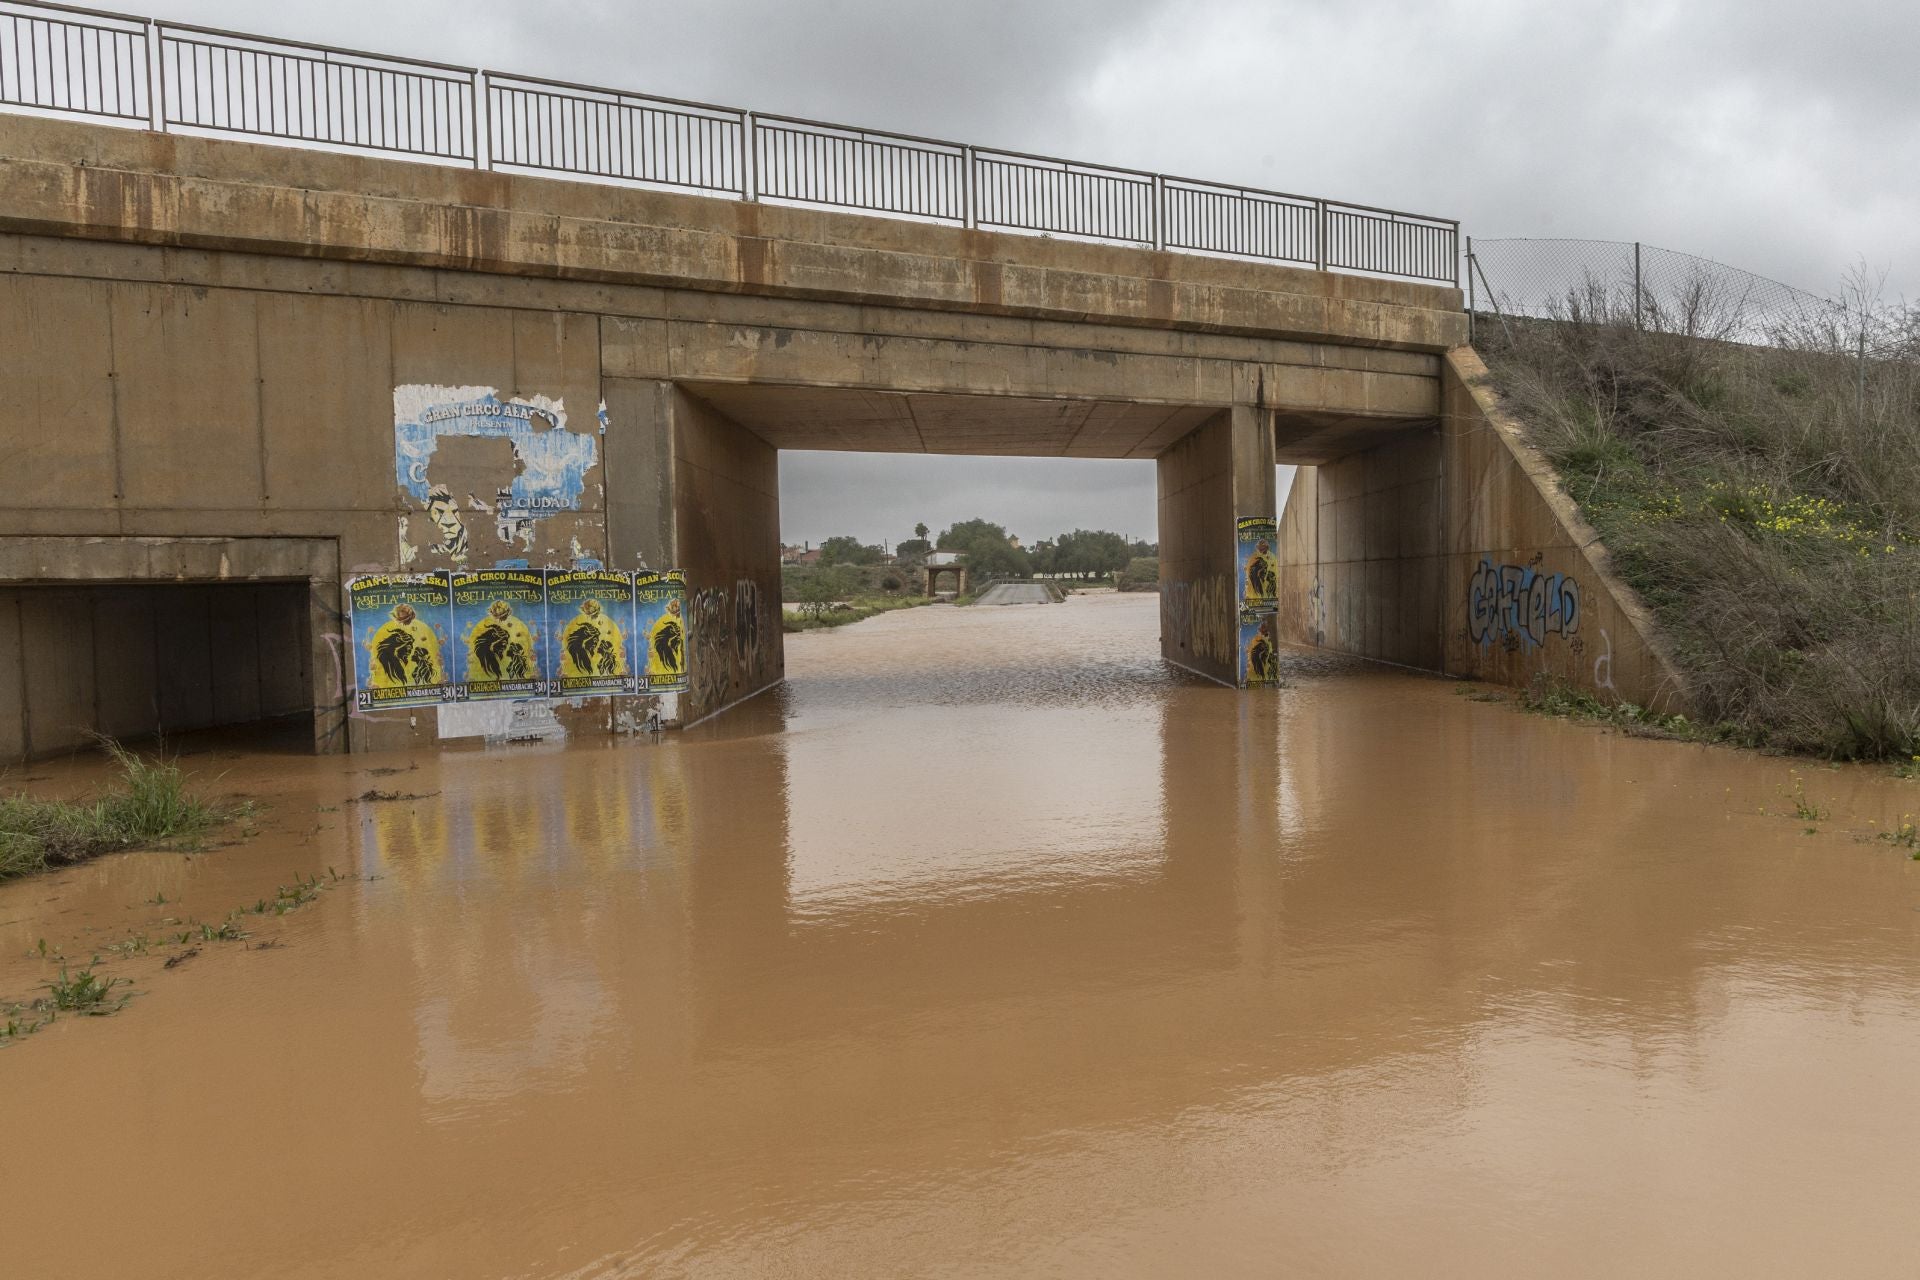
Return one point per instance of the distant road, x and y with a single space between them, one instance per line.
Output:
1016 593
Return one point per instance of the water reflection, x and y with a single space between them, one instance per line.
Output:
922 966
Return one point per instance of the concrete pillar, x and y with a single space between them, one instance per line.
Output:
638 457
726 535
1221 470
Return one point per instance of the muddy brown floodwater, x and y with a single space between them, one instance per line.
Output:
991 946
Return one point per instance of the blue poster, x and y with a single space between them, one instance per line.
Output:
499 620
1257 538
590 645
402 630
660 623
1259 649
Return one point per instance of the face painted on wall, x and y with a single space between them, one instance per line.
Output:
446 518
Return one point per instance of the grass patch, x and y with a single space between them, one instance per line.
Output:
148 804
1563 701
822 617
1768 515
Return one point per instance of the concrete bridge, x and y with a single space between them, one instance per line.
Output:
211 351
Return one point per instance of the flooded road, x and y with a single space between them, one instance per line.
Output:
989 945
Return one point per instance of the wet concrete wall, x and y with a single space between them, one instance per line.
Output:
1362 557
1455 550
726 503
1194 481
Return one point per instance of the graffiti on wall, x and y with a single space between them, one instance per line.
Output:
518 464
1201 614
1519 606
730 657
712 657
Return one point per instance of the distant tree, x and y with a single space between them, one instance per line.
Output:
1141 573
988 552
913 547
847 550
960 535
920 531
1091 553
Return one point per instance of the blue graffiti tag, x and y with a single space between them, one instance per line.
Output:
1518 604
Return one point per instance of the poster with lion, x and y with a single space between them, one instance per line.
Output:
402 632
499 620
660 621
590 646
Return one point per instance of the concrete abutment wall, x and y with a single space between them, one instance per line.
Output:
1454 549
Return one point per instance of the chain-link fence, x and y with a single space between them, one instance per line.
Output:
1661 291
1653 288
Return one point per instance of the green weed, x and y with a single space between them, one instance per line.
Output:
148 804
84 992
1804 809
1905 836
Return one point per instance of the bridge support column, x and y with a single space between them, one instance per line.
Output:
689 488
1218 472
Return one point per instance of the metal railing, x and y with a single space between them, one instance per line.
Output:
174 77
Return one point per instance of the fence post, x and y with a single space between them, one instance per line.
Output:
1469 290
482 135
749 157
1159 211
1639 319
1319 235
969 188
156 81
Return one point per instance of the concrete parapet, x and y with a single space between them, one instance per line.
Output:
66 178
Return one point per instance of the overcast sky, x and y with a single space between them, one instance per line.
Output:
1777 136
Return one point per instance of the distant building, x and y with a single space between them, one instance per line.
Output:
1013 542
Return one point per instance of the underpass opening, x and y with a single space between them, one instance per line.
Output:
1213 462
141 662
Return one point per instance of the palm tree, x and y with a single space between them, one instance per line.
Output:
920 531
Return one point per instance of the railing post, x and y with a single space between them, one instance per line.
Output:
482 134
969 187
1319 235
749 157
1159 211
156 81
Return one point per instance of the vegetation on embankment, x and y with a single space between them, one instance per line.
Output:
148 804
822 616
1766 510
